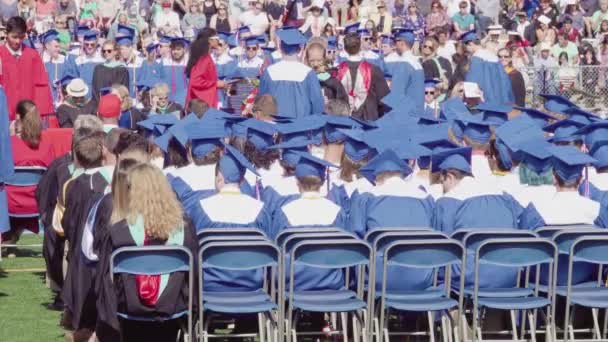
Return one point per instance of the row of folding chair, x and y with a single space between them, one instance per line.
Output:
279 305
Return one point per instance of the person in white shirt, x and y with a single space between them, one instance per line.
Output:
255 18
168 20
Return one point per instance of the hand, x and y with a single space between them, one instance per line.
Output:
221 84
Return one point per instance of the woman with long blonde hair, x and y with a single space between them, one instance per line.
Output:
145 211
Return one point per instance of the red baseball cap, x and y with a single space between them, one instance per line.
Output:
109 106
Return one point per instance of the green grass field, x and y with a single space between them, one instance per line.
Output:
23 297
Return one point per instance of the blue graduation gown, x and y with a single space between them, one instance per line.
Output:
407 78
249 68
368 56
6 161
210 212
474 204
561 209
396 203
295 87
55 69
135 67
490 75
82 66
296 212
225 66
173 74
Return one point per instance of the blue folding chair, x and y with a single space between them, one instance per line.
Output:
516 253
328 254
433 254
592 249
156 260
549 231
240 256
207 232
371 235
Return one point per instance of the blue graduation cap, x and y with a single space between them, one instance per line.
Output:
476 128
223 36
105 90
180 41
291 37
557 103
243 30
205 137
431 83
469 36
363 32
514 132
124 40
355 146
408 150
334 122
386 40
233 165
582 116
600 154
387 161
165 39
90 35
309 165
64 81
435 136
252 41
564 131
569 162
352 28
495 113
260 133
81 30
49 36
404 34
451 108
151 47
308 127
263 39
268 50
231 41
541 119
332 43
178 131
594 133
124 30
156 125
536 155
452 159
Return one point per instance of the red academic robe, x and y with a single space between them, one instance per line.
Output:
25 78
21 199
203 82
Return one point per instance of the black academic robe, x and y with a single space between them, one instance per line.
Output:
432 71
122 295
78 291
334 90
519 87
372 109
46 197
67 113
104 76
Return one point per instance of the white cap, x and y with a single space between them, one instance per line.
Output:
495 28
77 88
544 19
471 90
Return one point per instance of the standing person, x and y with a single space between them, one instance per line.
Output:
171 70
127 45
517 80
111 72
255 18
54 61
294 85
435 67
201 71
331 86
82 64
6 161
23 74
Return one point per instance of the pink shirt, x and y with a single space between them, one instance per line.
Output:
45 9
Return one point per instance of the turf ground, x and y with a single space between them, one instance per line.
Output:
23 298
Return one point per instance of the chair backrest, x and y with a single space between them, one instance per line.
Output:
475 237
516 252
151 260
331 254
591 249
549 231
206 232
283 234
239 255
371 235
26 176
565 238
384 240
293 239
232 238
431 253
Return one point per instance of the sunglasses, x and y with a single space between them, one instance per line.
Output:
430 47
3 38
107 51
503 57
251 48
429 93
367 39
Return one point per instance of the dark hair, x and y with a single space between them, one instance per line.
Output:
352 43
310 183
130 141
337 107
350 168
16 25
89 151
199 48
563 184
212 157
198 107
290 170
259 158
177 155
113 137
31 125
456 173
568 20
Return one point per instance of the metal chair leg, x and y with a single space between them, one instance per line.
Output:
444 328
344 322
429 315
532 322
596 323
261 332
513 325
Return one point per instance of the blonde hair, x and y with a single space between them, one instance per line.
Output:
123 93
160 89
151 196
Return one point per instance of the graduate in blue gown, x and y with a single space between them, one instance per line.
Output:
468 203
54 62
394 201
6 162
566 206
82 65
595 138
294 85
133 61
310 174
249 65
487 71
171 71
225 65
405 69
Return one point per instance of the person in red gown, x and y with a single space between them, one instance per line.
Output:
201 70
22 73
29 148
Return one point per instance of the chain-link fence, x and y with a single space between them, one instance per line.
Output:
586 86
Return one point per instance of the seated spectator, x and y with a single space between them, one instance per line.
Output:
68 10
437 19
168 20
600 15
255 18
208 8
89 14
435 67
28 149
547 8
222 21
330 85
160 103
569 31
414 21
545 33
577 18
315 22
564 45
194 20
383 19
463 21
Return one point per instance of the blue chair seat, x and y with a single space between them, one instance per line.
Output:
407 295
322 295
586 289
341 305
591 301
236 297
517 303
151 319
422 304
500 292
237 308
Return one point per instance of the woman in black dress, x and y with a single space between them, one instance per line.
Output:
109 73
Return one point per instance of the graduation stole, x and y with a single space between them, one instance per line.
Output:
357 91
150 287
